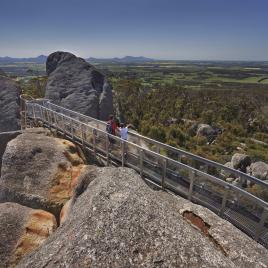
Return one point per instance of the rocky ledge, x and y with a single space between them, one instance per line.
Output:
114 219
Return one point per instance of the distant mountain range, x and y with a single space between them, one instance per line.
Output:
126 59
43 58
39 59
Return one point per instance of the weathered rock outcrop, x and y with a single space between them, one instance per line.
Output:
77 85
5 137
205 130
9 105
22 230
240 162
39 171
116 220
259 170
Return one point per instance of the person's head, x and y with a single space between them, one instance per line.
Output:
111 117
122 125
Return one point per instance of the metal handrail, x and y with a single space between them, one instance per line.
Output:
197 171
238 173
166 172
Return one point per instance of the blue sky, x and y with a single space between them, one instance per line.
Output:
167 29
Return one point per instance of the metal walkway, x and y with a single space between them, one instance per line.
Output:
177 171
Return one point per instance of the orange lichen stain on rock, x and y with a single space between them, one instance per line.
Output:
64 183
64 212
72 153
67 174
203 226
39 226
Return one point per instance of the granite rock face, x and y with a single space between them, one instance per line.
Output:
115 220
75 84
240 162
39 171
259 170
9 105
5 137
22 230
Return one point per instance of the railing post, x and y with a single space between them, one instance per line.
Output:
94 141
72 129
41 113
261 224
123 146
164 173
141 162
23 114
33 111
55 120
224 200
206 169
191 187
63 124
82 134
107 148
242 182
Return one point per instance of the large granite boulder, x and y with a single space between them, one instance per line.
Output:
77 85
22 230
9 105
116 220
259 170
240 162
206 131
39 171
5 137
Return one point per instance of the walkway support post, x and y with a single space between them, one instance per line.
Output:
107 148
141 162
224 200
94 140
164 172
261 223
192 178
23 114
123 151
82 134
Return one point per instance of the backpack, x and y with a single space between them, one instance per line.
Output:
109 127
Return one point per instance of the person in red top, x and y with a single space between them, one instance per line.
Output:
111 125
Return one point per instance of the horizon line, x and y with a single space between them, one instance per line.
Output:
155 59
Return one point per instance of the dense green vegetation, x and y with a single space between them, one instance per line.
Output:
34 87
170 114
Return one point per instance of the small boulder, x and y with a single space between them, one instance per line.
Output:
22 230
205 130
241 162
259 170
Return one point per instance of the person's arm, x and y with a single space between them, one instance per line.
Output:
130 126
